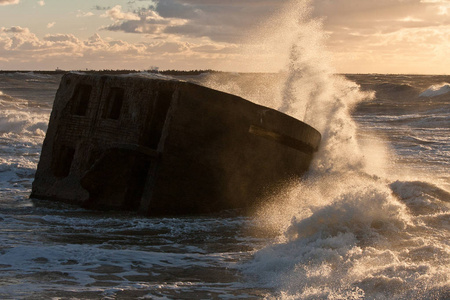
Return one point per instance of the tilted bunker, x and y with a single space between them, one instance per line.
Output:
165 147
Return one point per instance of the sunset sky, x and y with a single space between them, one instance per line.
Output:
363 36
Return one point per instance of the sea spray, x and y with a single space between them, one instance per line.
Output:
344 233
358 225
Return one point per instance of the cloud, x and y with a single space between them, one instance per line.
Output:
355 27
362 34
371 17
16 29
41 3
387 35
18 39
117 14
81 14
70 38
50 25
9 2
19 46
98 7
216 20
144 21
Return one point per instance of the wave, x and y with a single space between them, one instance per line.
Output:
7 101
32 75
21 117
394 87
22 130
436 90
357 237
348 229
22 125
422 197
425 120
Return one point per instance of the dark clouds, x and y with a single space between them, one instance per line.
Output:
220 21
230 21
15 29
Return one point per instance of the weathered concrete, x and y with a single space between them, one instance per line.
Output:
165 147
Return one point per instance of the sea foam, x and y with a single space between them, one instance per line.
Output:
345 230
436 90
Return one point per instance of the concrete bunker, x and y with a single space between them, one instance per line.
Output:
165 147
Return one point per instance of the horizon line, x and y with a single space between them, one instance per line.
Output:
61 71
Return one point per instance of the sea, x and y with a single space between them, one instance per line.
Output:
369 220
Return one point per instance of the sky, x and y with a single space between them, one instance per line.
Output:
360 36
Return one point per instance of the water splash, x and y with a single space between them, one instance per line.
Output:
355 226
344 233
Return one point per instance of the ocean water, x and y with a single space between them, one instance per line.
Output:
369 221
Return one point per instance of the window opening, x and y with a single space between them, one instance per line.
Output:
62 161
80 99
114 103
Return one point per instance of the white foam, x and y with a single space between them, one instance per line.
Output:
436 90
343 232
79 263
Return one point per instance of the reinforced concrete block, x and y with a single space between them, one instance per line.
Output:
165 147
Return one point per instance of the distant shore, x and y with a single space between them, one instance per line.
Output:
113 72
185 72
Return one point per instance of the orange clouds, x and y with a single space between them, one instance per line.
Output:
400 36
8 2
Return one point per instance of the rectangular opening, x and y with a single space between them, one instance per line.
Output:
80 99
114 103
62 161
159 114
136 184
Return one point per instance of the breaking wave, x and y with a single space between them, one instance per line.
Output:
18 118
436 90
347 230
22 130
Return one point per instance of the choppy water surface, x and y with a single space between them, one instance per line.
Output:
371 219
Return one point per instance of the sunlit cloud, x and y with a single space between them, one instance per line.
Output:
410 19
389 35
117 14
41 3
19 45
148 22
363 35
82 14
8 2
444 10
